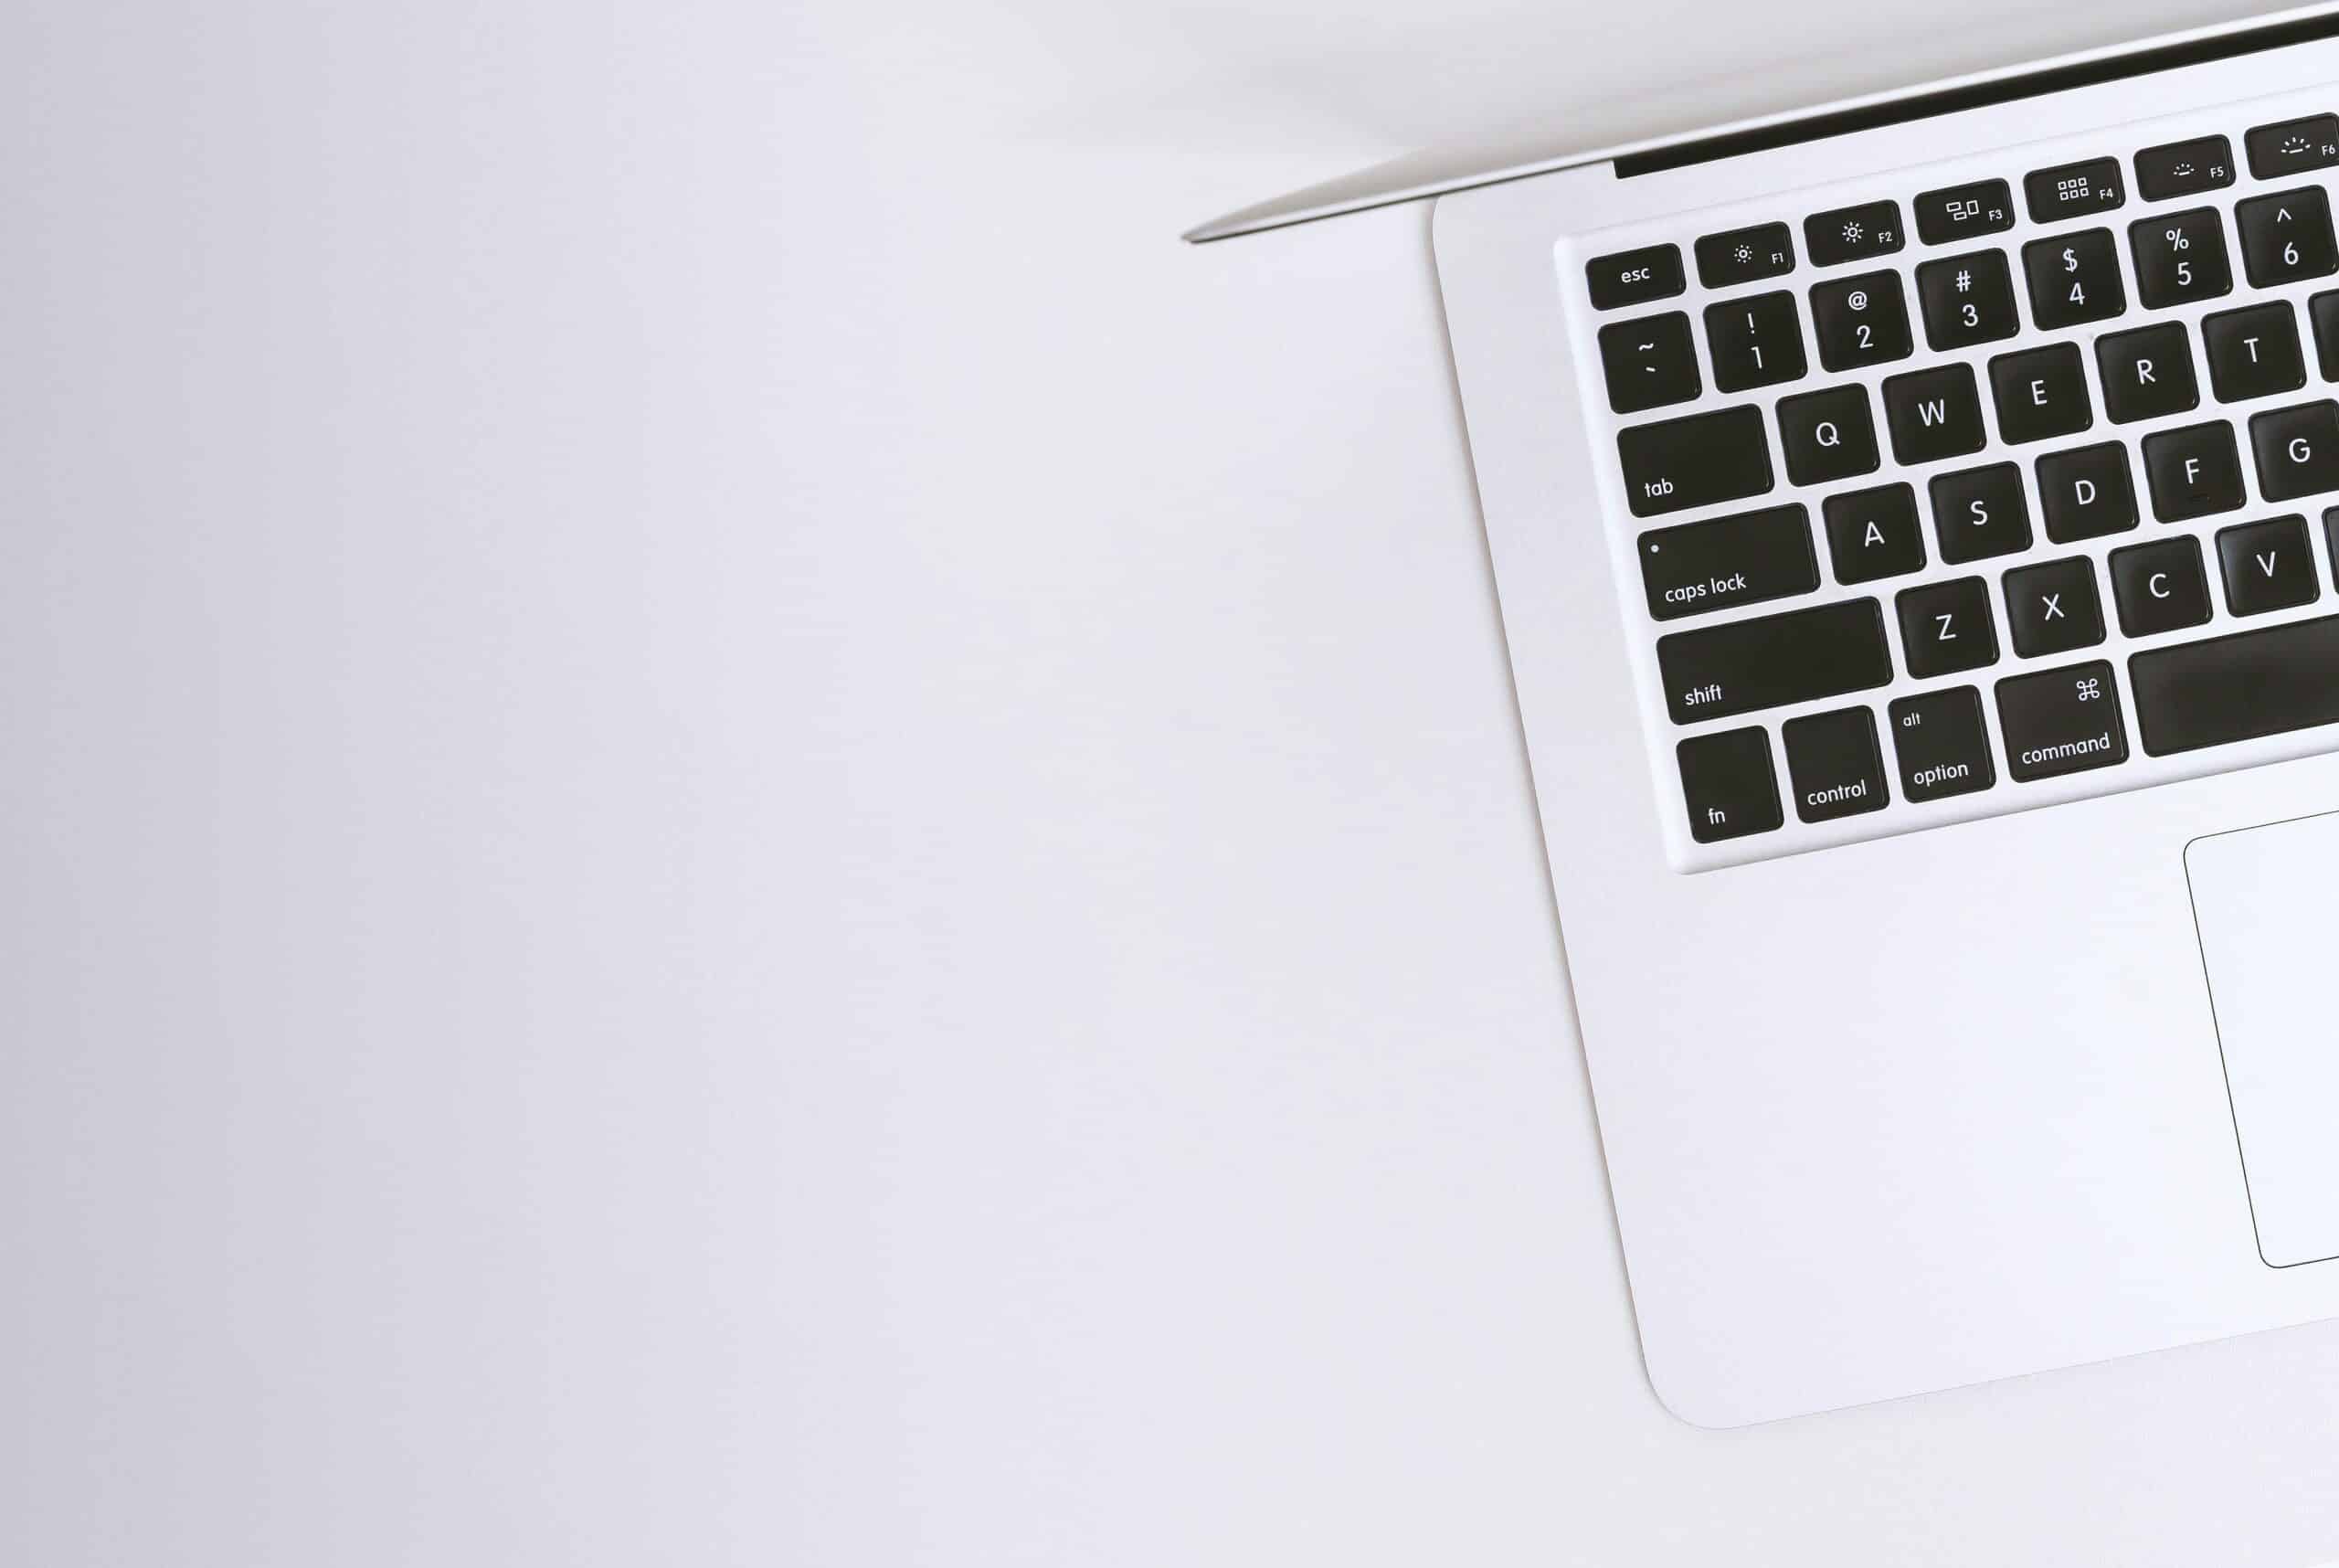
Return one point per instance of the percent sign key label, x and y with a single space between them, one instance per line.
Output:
2180 258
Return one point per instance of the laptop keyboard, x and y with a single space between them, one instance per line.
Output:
2033 489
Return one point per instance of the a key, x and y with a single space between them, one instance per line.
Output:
2185 168
2052 608
1873 534
2074 278
2073 190
1697 460
1769 660
1853 233
1755 341
2286 237
1833 765
2192 472
2253 352
1933 414
2061 721
2160 586
2323 310
2296 450
1967 300
2040 393
1979 513
2293 146
1745 255
1945 628
1723 562
1649 362
2180 258
1728 784
1634 277
2268 565
1860 320
2086 493
1827 436
2146 374
1941 744
2270 681
1965 212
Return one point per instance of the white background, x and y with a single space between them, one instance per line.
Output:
740 831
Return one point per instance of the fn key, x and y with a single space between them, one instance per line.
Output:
1729 785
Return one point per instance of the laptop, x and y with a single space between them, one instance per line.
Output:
1915 525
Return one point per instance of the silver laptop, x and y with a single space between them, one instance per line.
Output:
1915 527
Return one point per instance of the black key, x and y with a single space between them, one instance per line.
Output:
1692 567
1853 233
1860 320
1634 277
2160 586
1699 461
2252 683
2074 278
2085 492
2268 565
1967 300
2323 310
1756 342
1745 255
2146 374
1873 534
1965 212
1946 627
2296 450
1769 661
1827 436
1933 414
2192 472
2073 190
2180 258
2287 237
1941 744
2040 393
1728 785
1979 513
2052 608
2293 145
2061 721
1833 765
2185 168
2253 352
1649 362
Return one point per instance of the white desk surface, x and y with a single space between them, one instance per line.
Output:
1045 1042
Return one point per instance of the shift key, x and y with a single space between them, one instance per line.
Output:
1769 660
1675 464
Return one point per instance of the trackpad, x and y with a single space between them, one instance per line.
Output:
2264 899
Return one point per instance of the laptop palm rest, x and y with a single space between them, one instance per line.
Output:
2262 901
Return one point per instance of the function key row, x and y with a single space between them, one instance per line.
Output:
1946 216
